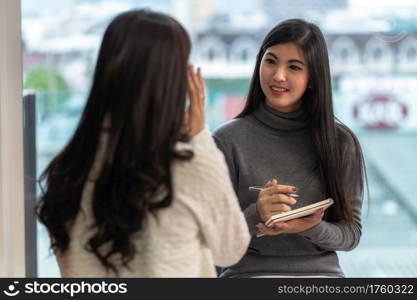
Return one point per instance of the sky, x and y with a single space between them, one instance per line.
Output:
383 3
30 6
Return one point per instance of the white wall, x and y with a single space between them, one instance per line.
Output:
12 255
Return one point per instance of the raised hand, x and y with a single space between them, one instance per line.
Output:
194 116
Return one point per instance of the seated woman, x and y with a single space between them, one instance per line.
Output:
287 140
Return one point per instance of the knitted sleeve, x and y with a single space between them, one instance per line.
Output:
342 236
223 224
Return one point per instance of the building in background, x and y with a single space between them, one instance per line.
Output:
373 57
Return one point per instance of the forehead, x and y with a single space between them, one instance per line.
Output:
286 51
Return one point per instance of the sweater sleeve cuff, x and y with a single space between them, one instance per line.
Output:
252 218
314 232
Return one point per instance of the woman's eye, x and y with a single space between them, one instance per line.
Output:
295 68
269 61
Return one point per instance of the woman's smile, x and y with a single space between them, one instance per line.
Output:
284 77
278 90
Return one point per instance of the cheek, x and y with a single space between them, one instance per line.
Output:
263 76
302 83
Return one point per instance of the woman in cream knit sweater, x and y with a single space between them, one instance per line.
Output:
141 189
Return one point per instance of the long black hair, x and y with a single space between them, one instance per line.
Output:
329 136
139 85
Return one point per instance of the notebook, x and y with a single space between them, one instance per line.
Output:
299 212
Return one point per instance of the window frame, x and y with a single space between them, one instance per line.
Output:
12 216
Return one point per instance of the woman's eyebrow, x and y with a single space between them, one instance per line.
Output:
293 60
272 54
296 61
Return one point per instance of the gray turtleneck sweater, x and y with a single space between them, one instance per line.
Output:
265 145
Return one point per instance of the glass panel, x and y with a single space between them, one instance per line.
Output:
372 47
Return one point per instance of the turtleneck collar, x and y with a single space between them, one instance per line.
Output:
293 121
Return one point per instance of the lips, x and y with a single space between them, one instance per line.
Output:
279 90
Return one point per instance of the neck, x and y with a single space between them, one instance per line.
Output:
285 110
282 121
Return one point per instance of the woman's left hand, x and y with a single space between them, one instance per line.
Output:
292 226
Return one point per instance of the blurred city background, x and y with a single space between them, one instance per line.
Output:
373 55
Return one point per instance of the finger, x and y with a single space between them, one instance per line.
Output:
318 214
281 198
201 86
286 189
271 183
200 79
268 184
191 86
280 225
268 230
280 207
198 89
195 82
262 228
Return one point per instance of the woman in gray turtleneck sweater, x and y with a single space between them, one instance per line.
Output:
287 139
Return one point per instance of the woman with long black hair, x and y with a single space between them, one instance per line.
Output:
287 140
141 189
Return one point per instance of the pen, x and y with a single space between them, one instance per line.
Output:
260 188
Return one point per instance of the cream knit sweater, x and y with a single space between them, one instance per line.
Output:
203 226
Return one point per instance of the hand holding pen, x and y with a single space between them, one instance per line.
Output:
274 199
257 188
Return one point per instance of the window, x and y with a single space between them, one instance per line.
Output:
373 95
407 54
345 55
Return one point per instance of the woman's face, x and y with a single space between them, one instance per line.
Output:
284 77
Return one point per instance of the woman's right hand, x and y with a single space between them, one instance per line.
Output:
194 116
274 199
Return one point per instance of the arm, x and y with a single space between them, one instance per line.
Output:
271 200
340 235
221 221
223 224
331 235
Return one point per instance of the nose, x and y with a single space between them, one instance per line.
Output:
280 75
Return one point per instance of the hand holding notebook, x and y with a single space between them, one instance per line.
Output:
299 212
296 214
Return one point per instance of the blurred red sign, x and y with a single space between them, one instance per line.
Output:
380 112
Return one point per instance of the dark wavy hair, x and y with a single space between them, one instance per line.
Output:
140 84
329 135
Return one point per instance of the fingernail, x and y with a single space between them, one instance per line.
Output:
294 189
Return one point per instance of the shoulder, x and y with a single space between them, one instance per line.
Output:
349 144
203 178
232 128
207 164
232 132
346 136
